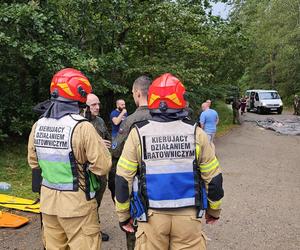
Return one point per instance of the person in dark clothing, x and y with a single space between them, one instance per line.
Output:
236 111
117 116
252 100
139 91
296 105
92 114
243 105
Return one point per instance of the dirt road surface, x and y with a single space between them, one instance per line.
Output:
261 206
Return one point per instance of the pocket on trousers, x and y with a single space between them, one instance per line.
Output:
204 241
90 237
90 230
193 218
201 234
141 238
150 213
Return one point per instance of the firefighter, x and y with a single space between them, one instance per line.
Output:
168 176
70 153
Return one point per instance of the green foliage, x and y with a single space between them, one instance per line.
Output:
225 117
112 42
272 27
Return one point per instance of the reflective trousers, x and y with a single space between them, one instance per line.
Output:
170 232
77 233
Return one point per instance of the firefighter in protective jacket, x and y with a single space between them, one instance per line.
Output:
70 153
168 176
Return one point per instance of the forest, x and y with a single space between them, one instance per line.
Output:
114 41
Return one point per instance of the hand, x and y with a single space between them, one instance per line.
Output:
107 143
128 227
210 219
124 111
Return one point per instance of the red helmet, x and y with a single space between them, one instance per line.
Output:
70 84
166 92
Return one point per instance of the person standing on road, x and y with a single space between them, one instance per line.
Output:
139 91
209 120
236 111
252 100
91 112
117 116
296 105
70 154
162 187
243 104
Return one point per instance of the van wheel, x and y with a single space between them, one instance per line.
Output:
258 110
279 111
248 110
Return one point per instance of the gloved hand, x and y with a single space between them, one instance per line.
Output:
210 219
127 226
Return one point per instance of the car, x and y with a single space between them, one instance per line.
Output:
263 101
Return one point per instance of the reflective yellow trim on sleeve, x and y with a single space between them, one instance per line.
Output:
198 151
204 168
128 165
215 204
122 206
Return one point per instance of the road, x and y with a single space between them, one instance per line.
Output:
262 189
261 206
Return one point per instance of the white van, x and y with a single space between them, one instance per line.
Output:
264 101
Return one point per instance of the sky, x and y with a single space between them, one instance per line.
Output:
220 9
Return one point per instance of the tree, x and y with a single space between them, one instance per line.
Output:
112 42
272 27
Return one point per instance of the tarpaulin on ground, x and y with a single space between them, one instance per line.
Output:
286 127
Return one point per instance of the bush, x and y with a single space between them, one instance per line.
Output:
225 117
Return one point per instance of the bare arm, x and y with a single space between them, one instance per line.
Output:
117 120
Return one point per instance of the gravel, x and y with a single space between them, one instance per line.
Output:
261 171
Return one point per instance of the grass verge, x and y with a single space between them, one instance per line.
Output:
15 170
225 118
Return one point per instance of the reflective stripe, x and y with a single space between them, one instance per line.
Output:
210 166
172 203
198 151
128 165
169 169
53 157
215 204
122 206
58 186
